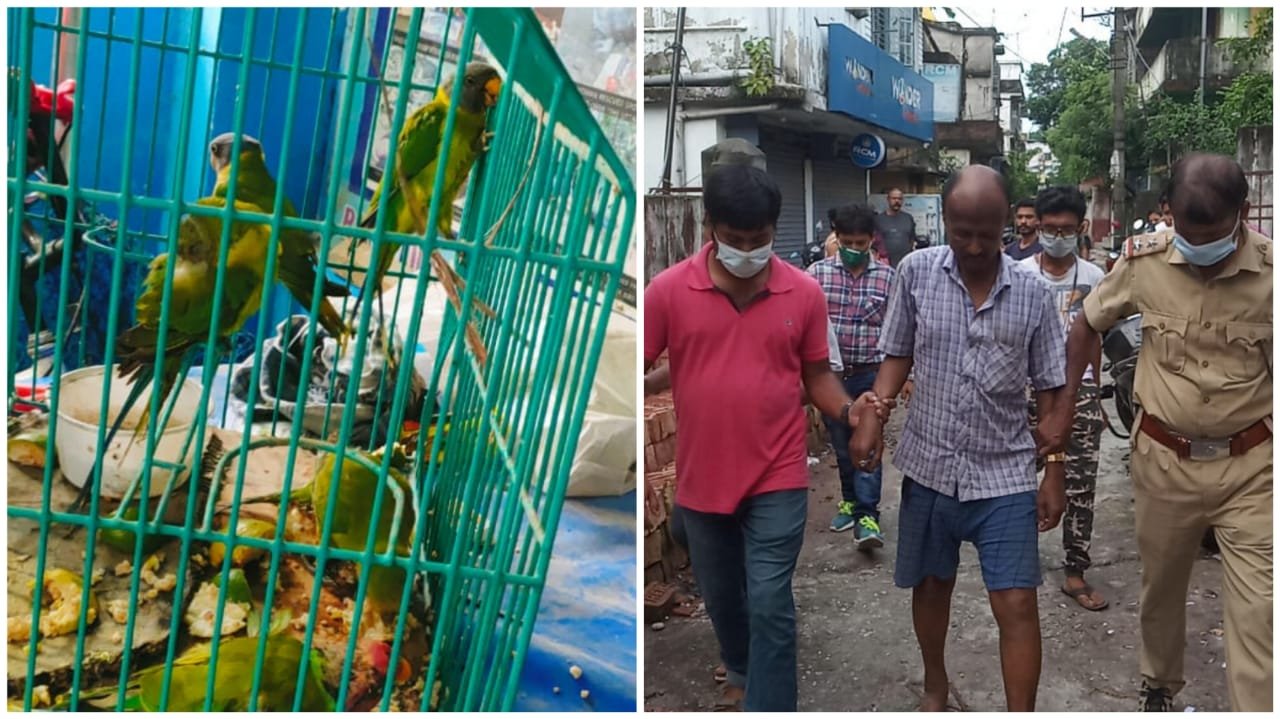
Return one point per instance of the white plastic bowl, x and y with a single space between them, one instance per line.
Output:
79 402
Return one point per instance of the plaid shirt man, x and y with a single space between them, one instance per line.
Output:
856 306
967 434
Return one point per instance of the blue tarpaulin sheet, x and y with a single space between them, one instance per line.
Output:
587 616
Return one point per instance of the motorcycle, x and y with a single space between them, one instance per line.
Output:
815 251
1120 346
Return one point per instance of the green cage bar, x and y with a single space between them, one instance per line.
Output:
542 231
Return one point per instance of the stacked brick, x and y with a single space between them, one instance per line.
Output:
817 439
662 556
660 552
659 432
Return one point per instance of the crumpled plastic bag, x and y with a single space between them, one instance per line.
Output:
605 459
326 392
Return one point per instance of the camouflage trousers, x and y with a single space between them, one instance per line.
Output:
1081 477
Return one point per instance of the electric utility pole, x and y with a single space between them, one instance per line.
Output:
1119 82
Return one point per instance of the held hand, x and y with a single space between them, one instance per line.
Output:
907 389
868 400
1051 432
866 445
1051 500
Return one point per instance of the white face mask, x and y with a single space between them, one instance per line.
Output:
740 264
1055 246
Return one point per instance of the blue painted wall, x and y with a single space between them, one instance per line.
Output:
159 154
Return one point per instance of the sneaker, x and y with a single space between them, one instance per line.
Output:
1154 699
844 517
867 536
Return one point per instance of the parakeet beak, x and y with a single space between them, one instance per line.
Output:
491 91
403 671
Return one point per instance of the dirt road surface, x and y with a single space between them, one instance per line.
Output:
857 651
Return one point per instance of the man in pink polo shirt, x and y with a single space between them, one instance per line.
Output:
746 336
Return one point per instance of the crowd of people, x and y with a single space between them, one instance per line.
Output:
997 348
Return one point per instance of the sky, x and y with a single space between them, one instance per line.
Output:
1030 34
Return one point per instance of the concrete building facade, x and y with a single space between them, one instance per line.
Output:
968 122
1012 107
835 83
1168 40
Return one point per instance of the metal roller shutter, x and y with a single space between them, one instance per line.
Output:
785 159
836 182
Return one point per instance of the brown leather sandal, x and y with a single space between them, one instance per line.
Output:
730 699
1087 590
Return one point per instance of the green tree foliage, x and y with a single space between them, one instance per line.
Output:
1081 137
1178 127
1071 102
1247 100
1022 181
1047 83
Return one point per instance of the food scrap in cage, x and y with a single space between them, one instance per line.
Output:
243 598
335 617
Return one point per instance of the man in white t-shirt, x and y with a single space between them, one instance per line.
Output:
1061 215
833 349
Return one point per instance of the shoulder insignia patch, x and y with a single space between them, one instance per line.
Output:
1148 244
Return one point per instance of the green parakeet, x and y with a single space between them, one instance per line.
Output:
280 661
190 307
231 685
419 146
298 259
189 678
353 513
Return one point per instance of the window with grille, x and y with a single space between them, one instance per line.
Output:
880 26
894 31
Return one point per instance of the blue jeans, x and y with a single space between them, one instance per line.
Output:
861 488
743 563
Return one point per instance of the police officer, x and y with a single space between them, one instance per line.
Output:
1202 442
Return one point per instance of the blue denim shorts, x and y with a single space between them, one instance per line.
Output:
931 527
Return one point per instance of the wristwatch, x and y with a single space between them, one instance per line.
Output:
1056 457
844 413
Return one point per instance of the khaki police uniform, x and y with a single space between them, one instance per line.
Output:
1201 446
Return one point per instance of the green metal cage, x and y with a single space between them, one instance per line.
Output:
545 224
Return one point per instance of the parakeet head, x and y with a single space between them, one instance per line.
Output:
220 149
480 88
399 457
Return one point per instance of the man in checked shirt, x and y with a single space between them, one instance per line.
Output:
857 288
974 325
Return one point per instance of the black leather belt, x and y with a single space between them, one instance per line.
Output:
852 369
